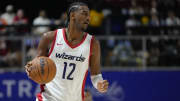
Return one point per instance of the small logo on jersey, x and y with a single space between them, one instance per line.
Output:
59 44
70 57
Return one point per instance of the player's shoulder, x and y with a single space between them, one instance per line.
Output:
50 35
95 44
94 39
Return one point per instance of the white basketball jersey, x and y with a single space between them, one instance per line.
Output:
72 64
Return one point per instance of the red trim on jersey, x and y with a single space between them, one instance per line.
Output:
64 35
52 47
42 87
91 49
39 97
84 81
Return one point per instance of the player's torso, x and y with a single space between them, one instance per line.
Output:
72 64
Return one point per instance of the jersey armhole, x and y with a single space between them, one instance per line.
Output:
54 41
90 52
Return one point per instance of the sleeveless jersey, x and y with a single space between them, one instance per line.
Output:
72 64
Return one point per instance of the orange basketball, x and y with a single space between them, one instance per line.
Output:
43 70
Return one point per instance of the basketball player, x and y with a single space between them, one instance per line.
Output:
73 51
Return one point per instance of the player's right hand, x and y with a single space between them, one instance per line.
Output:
28 69
102 86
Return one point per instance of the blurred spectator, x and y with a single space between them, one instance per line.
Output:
3 53
20 20
62 20
177 53
2 22
110 43
172 20
135 9
145 20
10 54
14 55
153 9
96 20
123 54
132 22
3 48
153 58
87 95
168 53
31 47
41 20
31 54
14 58
9 15
7 18
154 21
106 26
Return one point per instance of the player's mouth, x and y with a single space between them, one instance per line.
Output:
86 23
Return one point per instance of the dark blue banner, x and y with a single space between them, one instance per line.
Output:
124 86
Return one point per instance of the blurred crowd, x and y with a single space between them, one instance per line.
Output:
116 17
18 24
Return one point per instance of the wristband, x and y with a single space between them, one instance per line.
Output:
95 79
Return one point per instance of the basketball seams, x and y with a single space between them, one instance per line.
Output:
34 70
39 71
48 69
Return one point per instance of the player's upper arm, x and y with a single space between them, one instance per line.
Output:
44 43
95 58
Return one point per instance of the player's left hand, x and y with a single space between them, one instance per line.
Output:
102 86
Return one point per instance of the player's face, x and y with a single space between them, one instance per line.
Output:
82 17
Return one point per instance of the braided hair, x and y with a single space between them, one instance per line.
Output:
73 7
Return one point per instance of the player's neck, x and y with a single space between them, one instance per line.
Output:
73 34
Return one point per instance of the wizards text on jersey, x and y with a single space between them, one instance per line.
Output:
70 57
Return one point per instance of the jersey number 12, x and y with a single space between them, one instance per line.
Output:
73 66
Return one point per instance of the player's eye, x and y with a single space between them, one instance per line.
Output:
85 13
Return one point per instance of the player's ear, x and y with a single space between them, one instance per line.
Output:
72 15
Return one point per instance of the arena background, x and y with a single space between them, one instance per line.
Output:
140 44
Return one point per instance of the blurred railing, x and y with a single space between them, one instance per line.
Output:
137 47
128 52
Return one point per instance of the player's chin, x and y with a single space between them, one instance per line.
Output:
84 28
